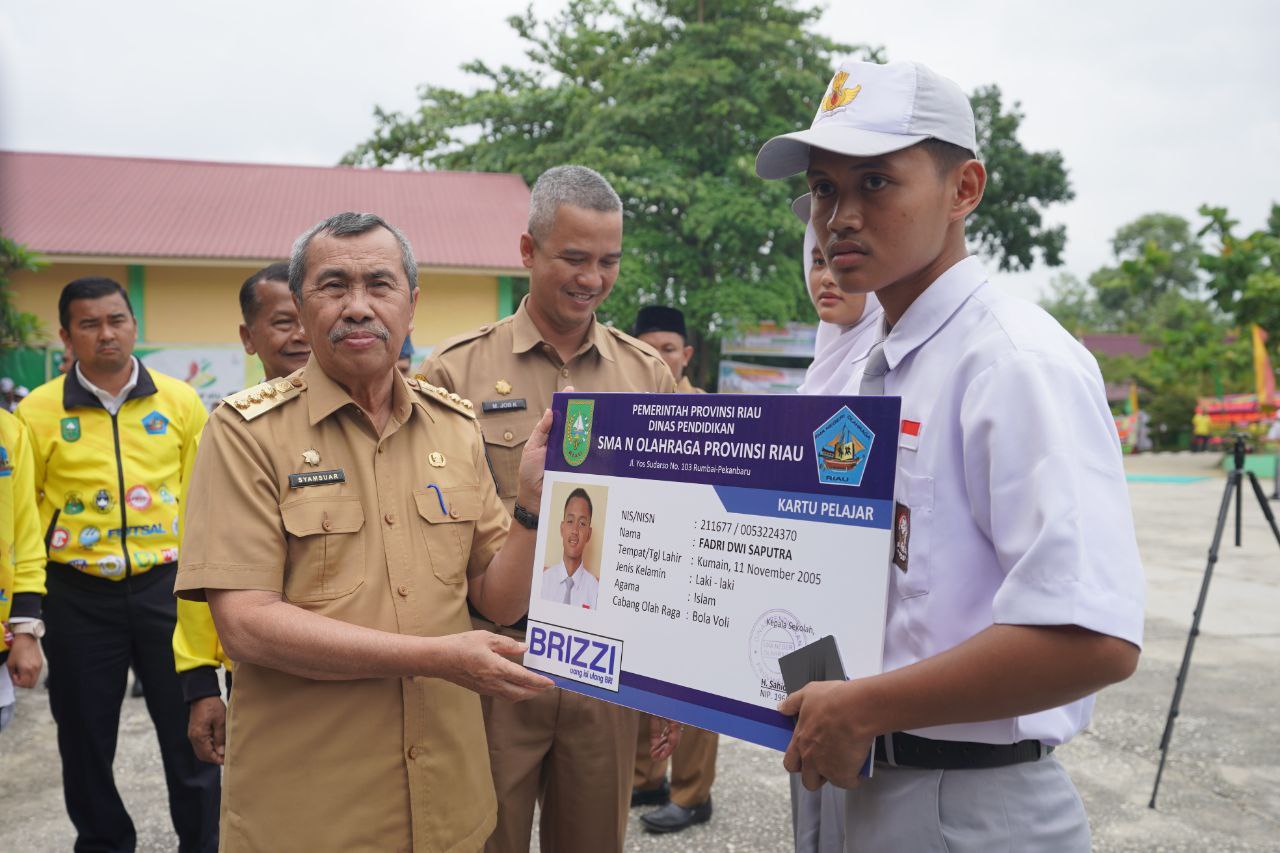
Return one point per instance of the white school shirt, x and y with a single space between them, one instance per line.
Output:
585 586
1019 511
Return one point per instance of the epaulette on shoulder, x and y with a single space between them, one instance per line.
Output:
635 343
443 396
457 340
264 396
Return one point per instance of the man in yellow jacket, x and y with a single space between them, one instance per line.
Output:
272 330
21 566
113 447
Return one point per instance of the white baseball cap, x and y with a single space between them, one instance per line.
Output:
802 206
871 109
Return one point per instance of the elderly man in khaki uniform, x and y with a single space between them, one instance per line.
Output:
339 522
573 754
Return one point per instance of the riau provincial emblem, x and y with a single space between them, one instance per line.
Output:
842 446
577 431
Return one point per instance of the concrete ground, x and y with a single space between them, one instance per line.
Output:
1221 790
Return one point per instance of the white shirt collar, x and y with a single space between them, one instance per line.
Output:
932 308
110 402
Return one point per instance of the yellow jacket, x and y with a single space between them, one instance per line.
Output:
111 485
21 552
197 651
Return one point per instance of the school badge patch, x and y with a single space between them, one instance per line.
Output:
70 429
155 424
837 95
577 431
842 447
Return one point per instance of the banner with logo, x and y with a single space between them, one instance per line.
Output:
687 543
791 340
738 377
215 372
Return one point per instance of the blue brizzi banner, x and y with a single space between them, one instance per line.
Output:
689 542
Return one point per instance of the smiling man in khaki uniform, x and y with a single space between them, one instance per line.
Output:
572 753
341 519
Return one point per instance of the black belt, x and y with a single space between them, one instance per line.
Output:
903 750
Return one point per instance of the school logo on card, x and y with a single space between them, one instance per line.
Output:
577 431
842 446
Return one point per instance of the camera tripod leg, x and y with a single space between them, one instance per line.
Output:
1266 507
1233 486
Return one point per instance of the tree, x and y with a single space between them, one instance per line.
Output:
1244 273
17 328
671 99
1008 225
1072 303
1156 268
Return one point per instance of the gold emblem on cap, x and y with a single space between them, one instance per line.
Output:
311 457
436 458
839 96
502 386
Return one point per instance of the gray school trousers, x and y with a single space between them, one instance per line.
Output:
1027 808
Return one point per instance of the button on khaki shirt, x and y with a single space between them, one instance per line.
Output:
389 543
510 373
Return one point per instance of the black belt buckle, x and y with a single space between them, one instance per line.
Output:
900 749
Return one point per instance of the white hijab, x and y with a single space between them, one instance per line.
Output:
836 346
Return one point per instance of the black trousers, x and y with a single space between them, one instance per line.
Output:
96 629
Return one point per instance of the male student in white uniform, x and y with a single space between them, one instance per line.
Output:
1016 589
569 582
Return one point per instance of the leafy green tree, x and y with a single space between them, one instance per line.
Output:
1244 272
17 328
1156 269
1072 303
671 99
1008 225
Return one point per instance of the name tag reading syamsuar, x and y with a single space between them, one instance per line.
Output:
317 478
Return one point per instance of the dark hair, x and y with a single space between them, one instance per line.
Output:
580 493
249 303
947 155
347 225
89 287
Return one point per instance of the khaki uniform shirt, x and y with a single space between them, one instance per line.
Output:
368 764
687 387
511 372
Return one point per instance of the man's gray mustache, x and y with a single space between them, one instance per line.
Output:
376 329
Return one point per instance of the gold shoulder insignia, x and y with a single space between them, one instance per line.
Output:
442 396
457 340
263 397
634 343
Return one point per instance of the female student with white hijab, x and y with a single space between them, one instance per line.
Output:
849 324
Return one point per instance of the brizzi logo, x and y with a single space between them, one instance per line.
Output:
576 655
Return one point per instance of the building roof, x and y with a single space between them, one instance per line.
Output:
138 208
1115 345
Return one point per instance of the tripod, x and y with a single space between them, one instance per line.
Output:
1235 482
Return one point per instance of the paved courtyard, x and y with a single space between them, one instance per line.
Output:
1221 790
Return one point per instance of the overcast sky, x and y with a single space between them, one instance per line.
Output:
1155 106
